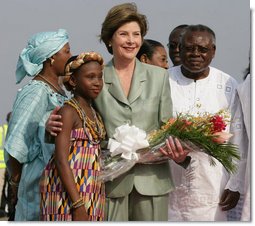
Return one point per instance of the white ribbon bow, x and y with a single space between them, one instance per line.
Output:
128 139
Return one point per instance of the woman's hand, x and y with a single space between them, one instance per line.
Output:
53 125
174 150
80 214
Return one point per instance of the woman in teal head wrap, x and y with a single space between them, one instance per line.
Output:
26 153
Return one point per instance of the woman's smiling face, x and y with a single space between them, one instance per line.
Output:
126 41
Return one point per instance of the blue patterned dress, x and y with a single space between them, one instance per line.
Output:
25 141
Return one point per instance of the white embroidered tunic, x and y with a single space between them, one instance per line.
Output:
200 186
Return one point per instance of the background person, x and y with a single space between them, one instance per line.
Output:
244 92
174 42
5 208
241 128
153 52
26 154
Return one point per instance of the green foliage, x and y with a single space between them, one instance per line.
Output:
199 135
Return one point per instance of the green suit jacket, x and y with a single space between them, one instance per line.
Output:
148 105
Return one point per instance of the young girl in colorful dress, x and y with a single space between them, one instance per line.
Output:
70 189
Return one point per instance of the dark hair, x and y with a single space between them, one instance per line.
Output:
200 28
118 16
72 58
66 82
8 116
247 71
148 48
180 27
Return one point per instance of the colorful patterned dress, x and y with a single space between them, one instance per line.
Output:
84 162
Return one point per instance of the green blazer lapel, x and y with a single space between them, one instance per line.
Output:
113 84
138 79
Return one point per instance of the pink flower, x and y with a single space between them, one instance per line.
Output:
221 137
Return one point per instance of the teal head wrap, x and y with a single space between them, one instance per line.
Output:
40 47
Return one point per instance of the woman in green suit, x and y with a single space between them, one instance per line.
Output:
137 94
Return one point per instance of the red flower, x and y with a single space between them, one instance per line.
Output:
218 124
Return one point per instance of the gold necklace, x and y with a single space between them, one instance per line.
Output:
97 128
59 90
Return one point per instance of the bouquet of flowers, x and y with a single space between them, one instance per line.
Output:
204 132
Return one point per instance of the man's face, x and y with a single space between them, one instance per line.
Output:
197 51
173 46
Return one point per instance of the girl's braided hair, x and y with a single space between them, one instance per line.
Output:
75 62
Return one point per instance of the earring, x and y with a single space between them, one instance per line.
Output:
110 45
143 58
51 61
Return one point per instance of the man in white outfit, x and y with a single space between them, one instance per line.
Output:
244 92
242 128
203 192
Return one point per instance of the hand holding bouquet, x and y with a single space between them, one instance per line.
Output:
197 133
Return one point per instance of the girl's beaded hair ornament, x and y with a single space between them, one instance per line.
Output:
75 62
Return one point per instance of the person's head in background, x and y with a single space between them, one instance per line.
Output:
247 71
8 117
153 52
174 42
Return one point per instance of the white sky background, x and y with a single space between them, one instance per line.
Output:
19 19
